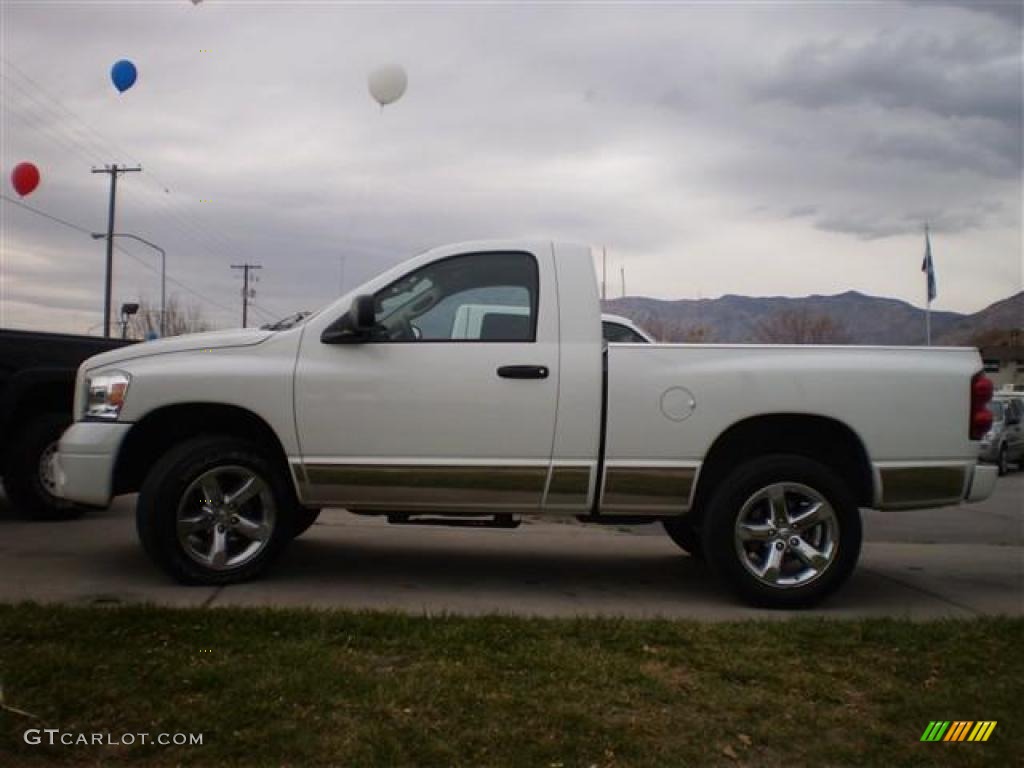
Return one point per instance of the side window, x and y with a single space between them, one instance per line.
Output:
476 297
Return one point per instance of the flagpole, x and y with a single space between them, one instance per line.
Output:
928 305
928 289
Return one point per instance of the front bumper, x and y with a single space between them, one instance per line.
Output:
84 463
981 482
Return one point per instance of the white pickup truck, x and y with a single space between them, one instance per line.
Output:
756 458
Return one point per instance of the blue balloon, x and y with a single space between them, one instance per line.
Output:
123 73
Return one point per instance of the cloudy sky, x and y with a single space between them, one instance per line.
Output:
713 148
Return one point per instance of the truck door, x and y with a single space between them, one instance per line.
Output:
416 418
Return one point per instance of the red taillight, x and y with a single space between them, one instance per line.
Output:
981 417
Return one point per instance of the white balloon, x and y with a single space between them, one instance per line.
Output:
387 84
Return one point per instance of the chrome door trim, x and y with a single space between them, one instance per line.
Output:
415 486
651 488
569 487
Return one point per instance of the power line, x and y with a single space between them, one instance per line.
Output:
44 111
45 215
47 118
186 223
68 141
184 286
38 90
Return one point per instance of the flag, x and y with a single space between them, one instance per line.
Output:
928 267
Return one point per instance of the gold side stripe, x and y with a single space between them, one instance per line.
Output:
428 485
648 487
912 486
568 486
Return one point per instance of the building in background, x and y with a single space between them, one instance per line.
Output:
1004 365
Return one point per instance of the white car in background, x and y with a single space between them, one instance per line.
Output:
471 321
621 330
1003 444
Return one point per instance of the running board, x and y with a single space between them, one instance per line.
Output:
497 521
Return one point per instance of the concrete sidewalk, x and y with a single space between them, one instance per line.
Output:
542 568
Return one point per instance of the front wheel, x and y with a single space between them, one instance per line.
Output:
783 531
214 510
28 470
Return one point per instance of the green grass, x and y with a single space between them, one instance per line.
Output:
374 689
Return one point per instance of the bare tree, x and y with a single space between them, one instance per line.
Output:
181 319
800 326
695 334
995 337
667 330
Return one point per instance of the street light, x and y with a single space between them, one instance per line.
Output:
127 310
163 272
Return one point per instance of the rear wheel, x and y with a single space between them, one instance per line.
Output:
214 510
28 472
302 519
783 531
684 535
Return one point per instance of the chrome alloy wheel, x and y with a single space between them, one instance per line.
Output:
47 476
786 535
226 517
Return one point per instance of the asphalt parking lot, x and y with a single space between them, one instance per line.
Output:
956 562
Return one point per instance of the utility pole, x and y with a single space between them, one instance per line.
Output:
245 288
113 170
622 270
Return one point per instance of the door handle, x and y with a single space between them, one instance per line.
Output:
523 371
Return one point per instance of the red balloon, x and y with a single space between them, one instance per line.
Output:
24 178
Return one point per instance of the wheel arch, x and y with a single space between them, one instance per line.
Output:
161 429
820 438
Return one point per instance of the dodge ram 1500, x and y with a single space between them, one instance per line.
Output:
390 402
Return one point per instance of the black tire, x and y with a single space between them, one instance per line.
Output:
167 486
302 519
28 487
684 535
1003 462
747 483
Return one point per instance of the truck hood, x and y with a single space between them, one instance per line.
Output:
240 337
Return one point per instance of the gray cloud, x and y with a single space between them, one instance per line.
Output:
1009 11
869 225
660 131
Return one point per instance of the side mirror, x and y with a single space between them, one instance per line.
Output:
355 326
364 317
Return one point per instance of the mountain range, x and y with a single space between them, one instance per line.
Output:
858 318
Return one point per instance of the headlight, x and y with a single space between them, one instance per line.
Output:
105 393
